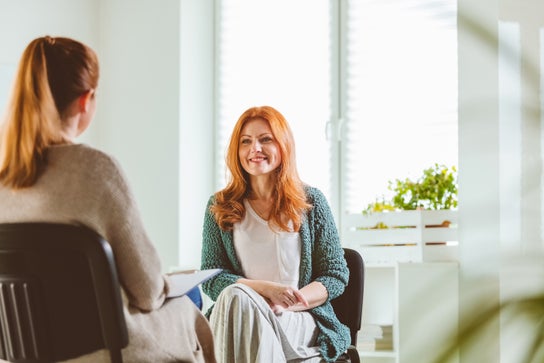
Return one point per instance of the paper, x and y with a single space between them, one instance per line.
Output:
182 282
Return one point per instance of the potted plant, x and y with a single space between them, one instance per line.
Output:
435 189
421 224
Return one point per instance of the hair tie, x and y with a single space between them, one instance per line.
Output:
50 40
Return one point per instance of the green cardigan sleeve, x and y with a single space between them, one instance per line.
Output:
328 264
218 252
321 244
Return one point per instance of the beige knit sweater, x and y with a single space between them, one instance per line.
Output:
81 185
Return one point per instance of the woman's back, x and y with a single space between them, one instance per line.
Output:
81 185
46 177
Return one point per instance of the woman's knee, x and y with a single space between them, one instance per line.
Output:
234 291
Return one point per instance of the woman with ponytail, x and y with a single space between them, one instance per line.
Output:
276 241
46 176
33 121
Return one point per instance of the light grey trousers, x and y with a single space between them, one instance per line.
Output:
246 330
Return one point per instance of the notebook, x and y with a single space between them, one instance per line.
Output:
181 282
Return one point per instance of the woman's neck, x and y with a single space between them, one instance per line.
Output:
262 189
70 129
261 197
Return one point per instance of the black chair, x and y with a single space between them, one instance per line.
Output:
349 306
59 294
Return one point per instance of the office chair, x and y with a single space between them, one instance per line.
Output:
59 294
349 306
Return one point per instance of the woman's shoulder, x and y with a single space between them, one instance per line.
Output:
313 194
85 154
211 199
91 152
86 162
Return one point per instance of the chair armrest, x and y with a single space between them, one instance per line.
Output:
353 354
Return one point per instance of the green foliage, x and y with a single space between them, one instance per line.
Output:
435 189
379 206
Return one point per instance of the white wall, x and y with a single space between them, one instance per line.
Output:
22 21
196 137
138 111
156 113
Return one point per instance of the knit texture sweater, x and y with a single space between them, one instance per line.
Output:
322 259
83 186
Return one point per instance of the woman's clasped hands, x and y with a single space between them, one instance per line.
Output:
283 297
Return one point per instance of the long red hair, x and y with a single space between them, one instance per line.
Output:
290 198
52 73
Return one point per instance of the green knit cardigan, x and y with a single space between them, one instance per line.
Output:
322 259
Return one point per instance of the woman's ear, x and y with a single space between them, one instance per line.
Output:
85 100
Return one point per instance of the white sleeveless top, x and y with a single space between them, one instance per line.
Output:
266 253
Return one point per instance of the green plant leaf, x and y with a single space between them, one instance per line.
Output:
435 189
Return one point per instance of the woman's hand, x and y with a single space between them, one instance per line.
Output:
279 296
314 294
283 295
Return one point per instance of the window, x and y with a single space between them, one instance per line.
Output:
369 87
277 53
401 94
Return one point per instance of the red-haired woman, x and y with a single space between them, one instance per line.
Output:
276 240
45 176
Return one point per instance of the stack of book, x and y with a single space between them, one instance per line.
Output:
373 337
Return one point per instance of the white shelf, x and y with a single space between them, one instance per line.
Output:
419 300
378 353
403 236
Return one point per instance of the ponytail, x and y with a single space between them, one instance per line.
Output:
33 118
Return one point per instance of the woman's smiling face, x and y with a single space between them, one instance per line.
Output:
258 150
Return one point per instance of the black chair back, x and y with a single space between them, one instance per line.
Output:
349 306
59 294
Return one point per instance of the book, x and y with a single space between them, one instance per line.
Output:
181 282
375 337
372 344
376 330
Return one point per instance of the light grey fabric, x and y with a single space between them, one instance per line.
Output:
247 330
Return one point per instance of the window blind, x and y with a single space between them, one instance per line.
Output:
277 53
400 112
